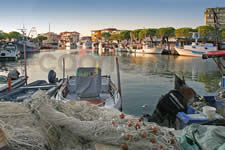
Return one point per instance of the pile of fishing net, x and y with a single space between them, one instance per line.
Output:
46 124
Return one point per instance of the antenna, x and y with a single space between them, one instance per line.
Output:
23 30
33 32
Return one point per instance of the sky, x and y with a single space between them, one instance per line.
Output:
86 15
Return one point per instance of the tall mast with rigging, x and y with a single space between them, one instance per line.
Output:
23 30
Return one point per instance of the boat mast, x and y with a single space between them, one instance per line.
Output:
216 24
24 52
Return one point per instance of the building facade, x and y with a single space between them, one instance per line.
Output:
96 34
69 37
209 16
85 39
51 37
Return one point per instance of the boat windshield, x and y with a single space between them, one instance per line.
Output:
10 48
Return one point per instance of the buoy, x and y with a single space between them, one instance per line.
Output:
9 84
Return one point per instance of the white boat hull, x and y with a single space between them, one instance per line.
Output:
12 55
188 52
154 50
196 49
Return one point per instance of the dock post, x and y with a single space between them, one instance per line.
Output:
25 59
63 69
119 83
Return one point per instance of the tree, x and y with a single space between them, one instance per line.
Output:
142 34
206 32
125 35
164 34
183 33
41 38
135 34
3 35
151 33
116 37
222 35
13 35
105 35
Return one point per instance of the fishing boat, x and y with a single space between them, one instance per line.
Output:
9 52
22 93
4 87
196 49
30 46
149 50
121 48
90 86
87 45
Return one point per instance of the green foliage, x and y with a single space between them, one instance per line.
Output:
142 34
135 34
206 31
115 37
151 32
3 35
13 35
125 35
222 34
105 35
183 32
165 32
40 38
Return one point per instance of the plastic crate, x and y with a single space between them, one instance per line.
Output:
218 104
192 116
220 108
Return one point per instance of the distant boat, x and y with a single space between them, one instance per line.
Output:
50 45
9 52
148 50
87 45
121 49
70 46
30 46
196 49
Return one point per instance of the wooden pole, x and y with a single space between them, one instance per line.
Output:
25 59
119 83
63 69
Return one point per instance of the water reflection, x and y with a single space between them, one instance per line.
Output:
144 77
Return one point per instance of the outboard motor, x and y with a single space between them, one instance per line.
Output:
14 74
52 77
168 107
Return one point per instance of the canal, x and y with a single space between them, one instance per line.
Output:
144 77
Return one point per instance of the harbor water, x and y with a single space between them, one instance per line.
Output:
144 77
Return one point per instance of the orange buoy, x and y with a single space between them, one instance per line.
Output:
9 84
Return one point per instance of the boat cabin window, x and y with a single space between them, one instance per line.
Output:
193 47
206 48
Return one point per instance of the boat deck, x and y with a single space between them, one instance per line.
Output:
104 95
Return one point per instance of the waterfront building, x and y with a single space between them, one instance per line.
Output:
52 40
96 34
68 37
51 37
209 16
85 39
